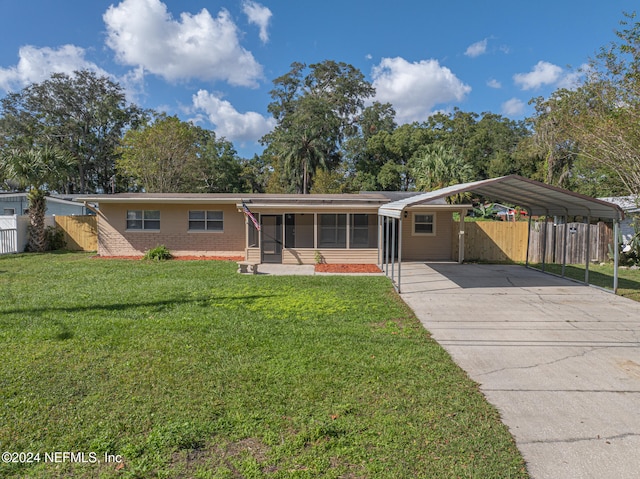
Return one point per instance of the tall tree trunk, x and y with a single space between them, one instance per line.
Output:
37 210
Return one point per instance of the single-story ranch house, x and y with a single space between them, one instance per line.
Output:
294 229
368 227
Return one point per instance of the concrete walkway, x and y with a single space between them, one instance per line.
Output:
560 361
301 270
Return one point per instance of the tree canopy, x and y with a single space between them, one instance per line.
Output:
83 114
316 110
591 134
331 136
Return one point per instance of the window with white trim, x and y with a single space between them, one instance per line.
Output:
206 220
143 220
424 224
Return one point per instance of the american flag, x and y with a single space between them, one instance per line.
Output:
247 212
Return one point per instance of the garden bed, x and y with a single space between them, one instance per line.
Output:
347 268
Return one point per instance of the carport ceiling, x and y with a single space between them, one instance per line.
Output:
538 198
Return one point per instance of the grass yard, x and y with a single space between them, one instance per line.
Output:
189 370
602 276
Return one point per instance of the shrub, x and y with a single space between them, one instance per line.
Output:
159 253
54 236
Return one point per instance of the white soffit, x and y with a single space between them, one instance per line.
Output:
537 198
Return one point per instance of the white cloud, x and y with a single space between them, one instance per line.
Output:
37 64
493 83
414 89
258 15
543 73
229 122
143 33
513 107
573 79
476 49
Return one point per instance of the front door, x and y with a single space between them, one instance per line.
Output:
271 230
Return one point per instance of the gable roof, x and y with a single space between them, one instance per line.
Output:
630 204
538 198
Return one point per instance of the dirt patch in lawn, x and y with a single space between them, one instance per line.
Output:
347 268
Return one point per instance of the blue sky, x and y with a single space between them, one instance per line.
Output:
214 62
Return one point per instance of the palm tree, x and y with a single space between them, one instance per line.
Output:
438 167
35 168
307 142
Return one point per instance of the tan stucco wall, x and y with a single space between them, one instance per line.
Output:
422 247
114 240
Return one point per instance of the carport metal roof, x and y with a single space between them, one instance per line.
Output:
538 198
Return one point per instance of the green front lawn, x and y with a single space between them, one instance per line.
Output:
602 276
187 369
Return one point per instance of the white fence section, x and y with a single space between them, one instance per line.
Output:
8 234
14 232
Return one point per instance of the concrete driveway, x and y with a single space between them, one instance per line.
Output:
560 361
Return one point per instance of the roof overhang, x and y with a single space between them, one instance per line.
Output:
537 198
252 200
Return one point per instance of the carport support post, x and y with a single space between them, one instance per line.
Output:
463 213
393 248
386 246
587 251
400 255
544 244
528 240
616 253
564 245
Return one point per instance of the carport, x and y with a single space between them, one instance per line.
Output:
539 199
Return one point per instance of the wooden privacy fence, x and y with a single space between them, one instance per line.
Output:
492 241
600 237
503 241
80 232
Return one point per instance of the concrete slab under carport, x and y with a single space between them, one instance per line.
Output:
559 360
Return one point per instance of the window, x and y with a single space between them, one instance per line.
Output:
424 224
364 231
332 231
9 211
143 220
253 237
298 230
206 221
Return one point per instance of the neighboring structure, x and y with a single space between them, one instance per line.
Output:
631 207
295 229
58 205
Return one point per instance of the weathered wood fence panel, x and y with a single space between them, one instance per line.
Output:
80 232
507 241
600 237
